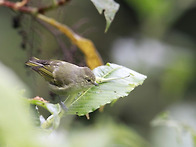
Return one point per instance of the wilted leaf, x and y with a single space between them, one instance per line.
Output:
125 80
109 8
92 57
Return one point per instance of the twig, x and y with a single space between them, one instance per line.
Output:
20 6
55 5
66 53
14 6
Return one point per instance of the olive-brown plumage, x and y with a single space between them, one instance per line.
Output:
64 78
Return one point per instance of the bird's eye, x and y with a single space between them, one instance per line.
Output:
88 80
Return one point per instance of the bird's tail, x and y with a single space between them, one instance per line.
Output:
33 62
42 67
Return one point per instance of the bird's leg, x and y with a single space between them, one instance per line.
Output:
62 104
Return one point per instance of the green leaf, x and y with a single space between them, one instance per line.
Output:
16 127
109 7
164 119
121 81
106 133
54 109
194 138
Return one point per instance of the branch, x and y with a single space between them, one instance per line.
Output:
50 7
92 57
18 7
21 6
66 53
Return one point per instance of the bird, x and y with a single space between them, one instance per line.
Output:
63 78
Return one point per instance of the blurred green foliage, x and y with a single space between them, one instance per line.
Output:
15 120
157 16
107 133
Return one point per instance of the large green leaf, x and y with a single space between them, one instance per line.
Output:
124 81
109 7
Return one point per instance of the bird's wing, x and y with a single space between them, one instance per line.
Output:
42 67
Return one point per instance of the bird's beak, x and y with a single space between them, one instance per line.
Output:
96 84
